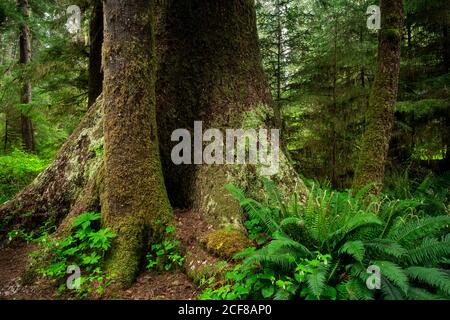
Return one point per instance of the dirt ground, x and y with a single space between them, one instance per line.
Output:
172 285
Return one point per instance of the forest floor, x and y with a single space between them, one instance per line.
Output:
171 285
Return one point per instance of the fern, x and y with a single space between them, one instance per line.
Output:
357 290
356 231
417 229
390 291
354 248
317 280
430 251
431 276
386 247
394 273
422 294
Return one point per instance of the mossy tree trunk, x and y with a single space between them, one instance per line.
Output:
135 197
25 58
211 71
380 117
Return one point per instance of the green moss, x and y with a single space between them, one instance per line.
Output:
225 243
127 250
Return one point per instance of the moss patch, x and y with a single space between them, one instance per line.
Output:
225 243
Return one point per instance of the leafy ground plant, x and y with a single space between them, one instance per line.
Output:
165 255
85 247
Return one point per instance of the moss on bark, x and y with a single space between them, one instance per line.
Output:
134 199
380 117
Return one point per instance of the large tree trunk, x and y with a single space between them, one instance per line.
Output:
25 57
95 52
211 71
135 197
380 118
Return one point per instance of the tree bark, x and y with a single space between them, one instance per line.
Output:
380 118
95 52
135 197
211 71
25 57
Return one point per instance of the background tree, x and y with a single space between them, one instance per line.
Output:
95 52
25 58
380 117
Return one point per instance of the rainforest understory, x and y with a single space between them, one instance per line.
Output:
97 200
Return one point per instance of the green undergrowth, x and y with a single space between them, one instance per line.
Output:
342 246
83 249
17 170
165 255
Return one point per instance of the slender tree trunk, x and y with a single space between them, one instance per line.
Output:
446 46
25 57
334 181
5 140
135 196
380 117
95 52
446 60
277 105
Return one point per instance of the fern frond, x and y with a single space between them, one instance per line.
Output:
354 248
422 294
390 291
425 227
430 251
432 276
357 290
393 273
274 194
283 261
386 247
353 224
281 242
317 280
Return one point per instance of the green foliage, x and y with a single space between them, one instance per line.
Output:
323 250
432 192
84 247
16 171
165 255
